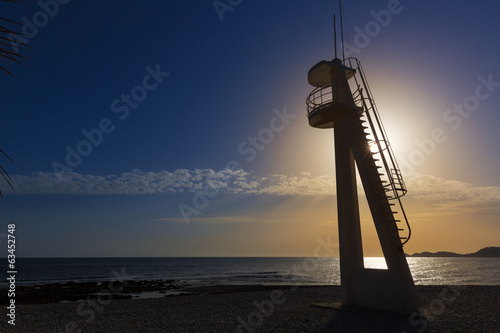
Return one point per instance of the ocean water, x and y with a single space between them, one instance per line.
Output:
231 271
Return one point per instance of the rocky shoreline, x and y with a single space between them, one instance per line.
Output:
80 291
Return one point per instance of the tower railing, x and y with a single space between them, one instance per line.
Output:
319 99
393 186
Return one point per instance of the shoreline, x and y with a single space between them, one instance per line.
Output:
257 308
75 291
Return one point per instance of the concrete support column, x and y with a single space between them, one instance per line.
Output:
351 250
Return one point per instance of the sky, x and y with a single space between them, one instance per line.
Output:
178 128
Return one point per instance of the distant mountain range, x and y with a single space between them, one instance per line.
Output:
485 252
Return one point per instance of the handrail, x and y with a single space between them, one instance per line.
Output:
319 98
322 97
379 138
384 150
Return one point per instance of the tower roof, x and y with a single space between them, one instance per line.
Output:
321 73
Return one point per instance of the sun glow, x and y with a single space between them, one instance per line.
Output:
373 147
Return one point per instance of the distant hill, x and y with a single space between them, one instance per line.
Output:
486 252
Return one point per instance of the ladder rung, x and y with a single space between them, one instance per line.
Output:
403 237
401 229
397 221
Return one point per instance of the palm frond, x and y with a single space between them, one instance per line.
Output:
5 175
10 53
10 37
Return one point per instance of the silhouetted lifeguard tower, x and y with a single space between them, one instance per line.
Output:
343 101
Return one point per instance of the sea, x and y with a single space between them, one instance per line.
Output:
242 271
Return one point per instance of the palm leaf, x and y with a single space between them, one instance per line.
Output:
8 52
5 175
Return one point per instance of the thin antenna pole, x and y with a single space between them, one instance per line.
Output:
341 30
335 34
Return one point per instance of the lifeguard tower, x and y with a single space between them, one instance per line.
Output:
342 100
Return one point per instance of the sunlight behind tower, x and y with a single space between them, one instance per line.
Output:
342 100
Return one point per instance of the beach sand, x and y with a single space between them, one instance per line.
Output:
260 309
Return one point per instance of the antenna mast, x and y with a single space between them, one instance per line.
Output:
341 30
335 34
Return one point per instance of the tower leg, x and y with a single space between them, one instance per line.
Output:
389 289
350 246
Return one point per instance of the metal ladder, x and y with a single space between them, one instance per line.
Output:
377 152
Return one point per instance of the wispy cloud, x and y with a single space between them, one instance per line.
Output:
423 187
303 184
181 180
134 183
445 198
438 189
217 219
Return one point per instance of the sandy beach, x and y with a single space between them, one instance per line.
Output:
260 309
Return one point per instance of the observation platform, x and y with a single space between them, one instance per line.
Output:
331 93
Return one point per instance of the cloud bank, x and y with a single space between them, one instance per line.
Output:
228 181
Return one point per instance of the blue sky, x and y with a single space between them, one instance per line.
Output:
201 83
